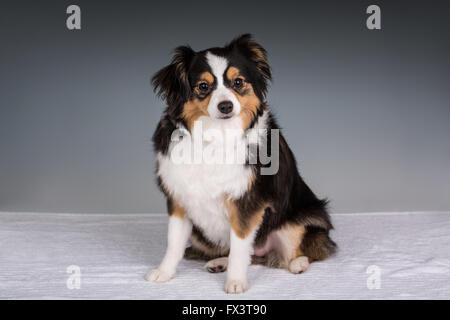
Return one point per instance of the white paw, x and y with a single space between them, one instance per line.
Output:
299 265
235 286
157 275
217 265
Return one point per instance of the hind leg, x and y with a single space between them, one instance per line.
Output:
217 265
315 244
290 255
301 245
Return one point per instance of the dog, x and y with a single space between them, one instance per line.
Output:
231 213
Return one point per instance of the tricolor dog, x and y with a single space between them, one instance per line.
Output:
243 209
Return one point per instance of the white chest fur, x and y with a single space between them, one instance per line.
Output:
201 188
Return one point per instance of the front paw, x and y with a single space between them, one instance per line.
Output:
157 275
235 286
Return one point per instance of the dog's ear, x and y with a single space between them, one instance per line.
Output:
255 52
171 83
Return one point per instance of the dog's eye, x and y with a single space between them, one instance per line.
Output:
238 83
203 87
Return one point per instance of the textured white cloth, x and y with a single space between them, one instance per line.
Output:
114 252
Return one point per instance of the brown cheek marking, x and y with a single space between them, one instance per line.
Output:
242 227
248 100
249 105
194 109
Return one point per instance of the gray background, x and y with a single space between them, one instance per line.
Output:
366 112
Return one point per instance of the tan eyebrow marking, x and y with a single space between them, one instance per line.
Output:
194 109
206 76
233 73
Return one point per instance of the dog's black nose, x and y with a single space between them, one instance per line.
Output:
225 107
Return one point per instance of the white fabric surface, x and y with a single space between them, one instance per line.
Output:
115 251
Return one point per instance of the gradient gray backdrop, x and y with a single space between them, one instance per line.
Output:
366 113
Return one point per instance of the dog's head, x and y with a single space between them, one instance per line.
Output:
221 83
